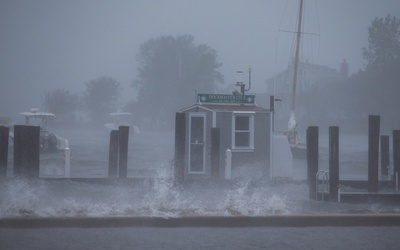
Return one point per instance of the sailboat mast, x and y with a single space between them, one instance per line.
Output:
296 60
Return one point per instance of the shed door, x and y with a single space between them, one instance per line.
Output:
197 143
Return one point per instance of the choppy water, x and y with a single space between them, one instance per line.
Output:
277 238
150 155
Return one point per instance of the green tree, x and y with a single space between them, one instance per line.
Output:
381 78
100 98
383 52
171 70
62 103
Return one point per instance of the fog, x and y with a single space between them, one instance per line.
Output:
52 44
47 44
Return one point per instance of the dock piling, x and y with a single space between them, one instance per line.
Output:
396 155
373 152
333 163
123 138
228 164
4 132
312 159
215 151
67 161
26 151
384 155
180 132
113 154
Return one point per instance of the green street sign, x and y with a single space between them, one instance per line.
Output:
228 99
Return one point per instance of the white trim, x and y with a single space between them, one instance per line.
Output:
199 106
249 148
197 114
214 119
243 112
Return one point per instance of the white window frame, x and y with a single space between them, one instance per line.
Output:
249 148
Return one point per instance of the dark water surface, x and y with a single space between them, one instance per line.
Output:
352 238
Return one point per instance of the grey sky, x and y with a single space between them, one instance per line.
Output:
49 44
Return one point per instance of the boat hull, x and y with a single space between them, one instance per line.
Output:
299 152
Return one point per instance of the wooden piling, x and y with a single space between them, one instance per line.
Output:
123 138
312 158
272 103
385 154
180 137
333 163
215 152
4 135
396 153
373 152
26 151
113 154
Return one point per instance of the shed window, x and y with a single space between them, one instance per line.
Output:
243 131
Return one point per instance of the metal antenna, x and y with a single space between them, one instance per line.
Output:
240 82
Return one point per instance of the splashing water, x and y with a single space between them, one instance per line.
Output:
155 194
18 198
161 197
254 201
158 197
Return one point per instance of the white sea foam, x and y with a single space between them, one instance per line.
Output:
158 197
253 201
155 194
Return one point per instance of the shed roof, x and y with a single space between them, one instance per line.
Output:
227 107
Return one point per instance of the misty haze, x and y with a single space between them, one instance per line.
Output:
200 104
50 46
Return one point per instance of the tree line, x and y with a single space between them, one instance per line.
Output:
97 101
171 70
374 90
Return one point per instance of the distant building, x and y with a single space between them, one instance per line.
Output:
309 76
310 80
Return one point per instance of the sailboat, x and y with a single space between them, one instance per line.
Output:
297 147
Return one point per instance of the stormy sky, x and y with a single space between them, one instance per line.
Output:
50 44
